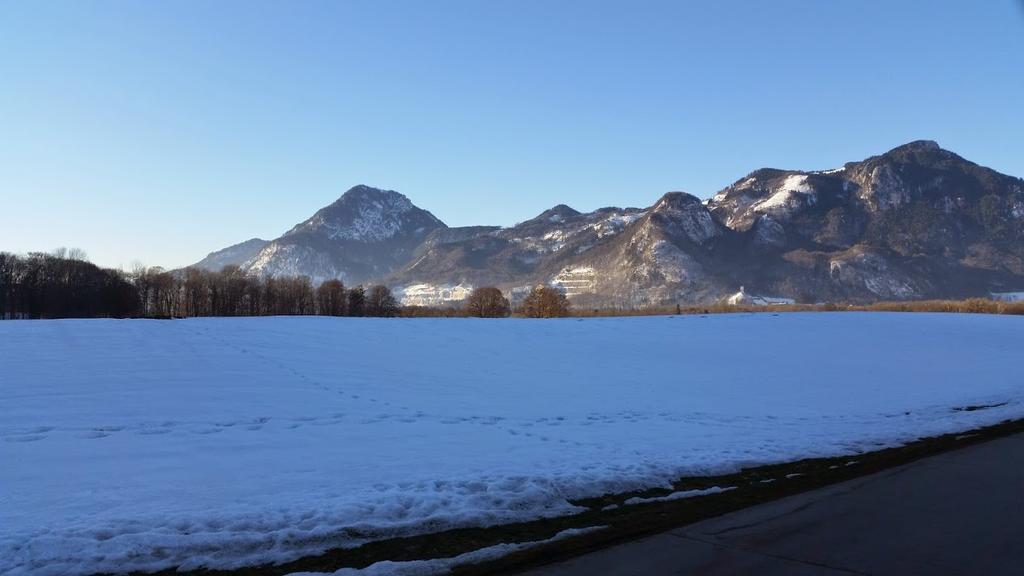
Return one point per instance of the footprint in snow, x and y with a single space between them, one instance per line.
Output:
29 438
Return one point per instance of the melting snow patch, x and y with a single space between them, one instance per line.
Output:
679 495
445 565
615 223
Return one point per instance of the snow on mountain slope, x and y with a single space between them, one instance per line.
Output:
235 255
432 295
523 255
776 194
295 259
365 234
144 445
793 191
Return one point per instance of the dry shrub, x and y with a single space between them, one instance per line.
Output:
1016 308
969 306
430 312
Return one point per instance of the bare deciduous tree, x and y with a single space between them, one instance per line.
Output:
330 298
380 302
487 302
545 302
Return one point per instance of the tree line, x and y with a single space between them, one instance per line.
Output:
232 292
63 284
489 302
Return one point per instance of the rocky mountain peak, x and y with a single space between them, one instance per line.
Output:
366 233
364 193
362 198
685 214
917 145
676 200
922 154
367 214
557 214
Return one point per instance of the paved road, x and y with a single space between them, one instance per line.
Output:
956 513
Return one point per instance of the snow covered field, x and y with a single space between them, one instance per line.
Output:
139 445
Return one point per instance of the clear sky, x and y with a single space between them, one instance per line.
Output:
159 131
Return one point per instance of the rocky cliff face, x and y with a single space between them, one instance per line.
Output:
915 222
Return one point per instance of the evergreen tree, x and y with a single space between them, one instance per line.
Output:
381 302
356 301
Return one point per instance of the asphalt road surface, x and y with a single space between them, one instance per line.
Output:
961 512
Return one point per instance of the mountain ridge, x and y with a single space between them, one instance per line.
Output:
917 221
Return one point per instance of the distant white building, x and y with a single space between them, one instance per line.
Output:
1008 296
741 298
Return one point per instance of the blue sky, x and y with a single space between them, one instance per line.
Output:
159 131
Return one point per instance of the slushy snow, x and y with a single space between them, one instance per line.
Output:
444 565
683 495
144 445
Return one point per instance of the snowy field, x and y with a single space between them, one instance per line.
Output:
140 445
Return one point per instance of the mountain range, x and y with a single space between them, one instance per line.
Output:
915 222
